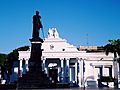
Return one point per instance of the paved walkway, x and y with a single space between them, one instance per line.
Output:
72 89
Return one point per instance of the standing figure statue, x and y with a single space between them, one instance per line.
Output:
36 25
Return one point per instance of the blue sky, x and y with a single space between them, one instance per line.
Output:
74 20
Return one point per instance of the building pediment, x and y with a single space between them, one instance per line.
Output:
54 43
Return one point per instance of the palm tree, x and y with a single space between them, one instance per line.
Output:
114 47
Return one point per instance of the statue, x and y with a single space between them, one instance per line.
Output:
52 33
36 25
34 77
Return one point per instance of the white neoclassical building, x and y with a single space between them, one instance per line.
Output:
64 63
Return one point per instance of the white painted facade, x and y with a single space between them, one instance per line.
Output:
70 62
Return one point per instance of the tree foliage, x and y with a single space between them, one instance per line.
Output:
14 54
2 59
114 47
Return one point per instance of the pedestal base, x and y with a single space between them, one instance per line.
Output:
34 80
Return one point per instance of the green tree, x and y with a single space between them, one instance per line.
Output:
3 57
114 47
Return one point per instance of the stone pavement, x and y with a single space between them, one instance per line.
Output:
74 89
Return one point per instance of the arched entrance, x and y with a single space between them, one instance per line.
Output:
53 69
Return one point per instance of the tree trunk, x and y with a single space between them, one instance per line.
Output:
115 65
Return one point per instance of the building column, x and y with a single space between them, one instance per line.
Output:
67 70
82 73
20 64
46 70
20 68
43 65
76 71
24 68
59 74
0 74
79 73
62 71
70 74
26 62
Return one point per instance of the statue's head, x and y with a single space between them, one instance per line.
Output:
37 12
